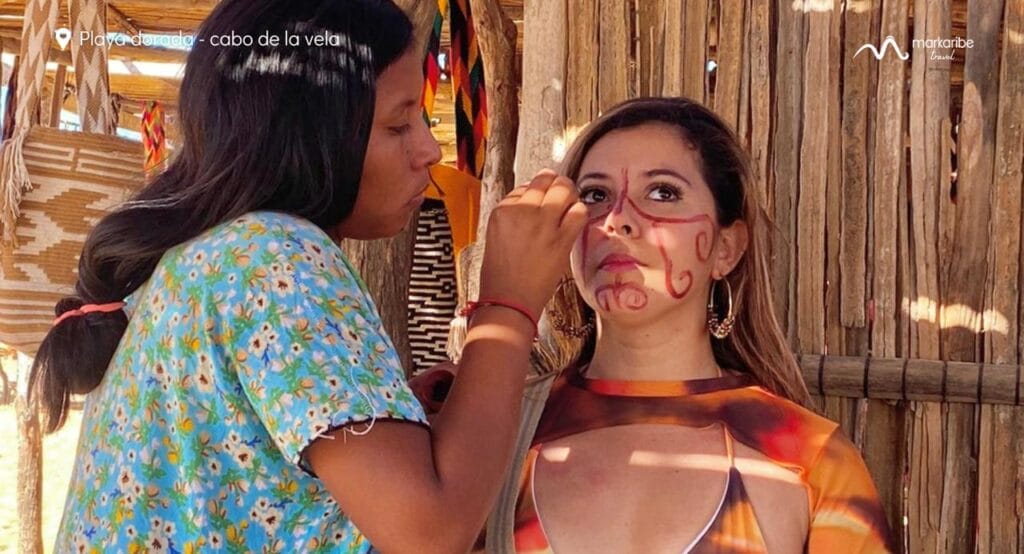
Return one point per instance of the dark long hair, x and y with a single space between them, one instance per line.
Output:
264 127
757 344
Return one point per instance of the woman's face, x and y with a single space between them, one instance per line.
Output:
652 244
398 156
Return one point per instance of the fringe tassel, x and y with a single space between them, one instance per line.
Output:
14 183
457 330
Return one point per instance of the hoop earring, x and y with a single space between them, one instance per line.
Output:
720 329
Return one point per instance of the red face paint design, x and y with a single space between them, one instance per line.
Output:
625 295
677 283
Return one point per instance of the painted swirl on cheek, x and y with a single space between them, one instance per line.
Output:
678 285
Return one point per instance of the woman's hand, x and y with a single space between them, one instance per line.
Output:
529 236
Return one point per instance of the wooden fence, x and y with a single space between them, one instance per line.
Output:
895 188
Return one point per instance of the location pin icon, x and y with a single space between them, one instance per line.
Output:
63 36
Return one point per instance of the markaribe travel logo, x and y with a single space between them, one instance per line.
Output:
932 45
888 43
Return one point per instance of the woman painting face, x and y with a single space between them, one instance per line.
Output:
652 243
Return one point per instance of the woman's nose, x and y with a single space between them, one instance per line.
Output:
428 152
620 219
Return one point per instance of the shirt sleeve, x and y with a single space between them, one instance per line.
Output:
308 346
847 515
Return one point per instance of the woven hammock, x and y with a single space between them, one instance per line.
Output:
76 179
55 185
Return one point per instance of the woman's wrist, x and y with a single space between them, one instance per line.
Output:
502 323
511 306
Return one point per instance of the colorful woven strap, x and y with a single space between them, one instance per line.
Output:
471 125
431 68
154 140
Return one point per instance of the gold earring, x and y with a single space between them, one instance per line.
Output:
720 329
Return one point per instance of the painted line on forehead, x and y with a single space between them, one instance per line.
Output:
625 193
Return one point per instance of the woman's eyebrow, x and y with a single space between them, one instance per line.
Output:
661 172
593 175
400 109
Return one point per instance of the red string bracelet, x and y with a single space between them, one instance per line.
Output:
472 307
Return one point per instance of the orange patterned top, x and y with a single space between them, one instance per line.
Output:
845 513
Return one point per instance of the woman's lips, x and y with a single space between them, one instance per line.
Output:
617 263
417 201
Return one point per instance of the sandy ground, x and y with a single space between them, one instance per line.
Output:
58 459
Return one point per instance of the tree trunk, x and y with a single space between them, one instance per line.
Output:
30 464
542 126
496 35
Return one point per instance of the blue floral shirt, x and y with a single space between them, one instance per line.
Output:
245 345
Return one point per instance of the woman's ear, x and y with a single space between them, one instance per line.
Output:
732 244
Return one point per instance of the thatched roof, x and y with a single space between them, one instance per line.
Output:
138 74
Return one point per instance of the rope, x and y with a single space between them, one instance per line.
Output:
94 109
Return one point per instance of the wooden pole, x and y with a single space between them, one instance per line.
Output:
914 379
1000 493
542 111
929 139
30 465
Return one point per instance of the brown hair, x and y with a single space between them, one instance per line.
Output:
757 345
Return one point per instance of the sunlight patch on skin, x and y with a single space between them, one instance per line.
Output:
556 454
713 462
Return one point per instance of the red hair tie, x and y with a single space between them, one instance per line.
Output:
471 307
88 309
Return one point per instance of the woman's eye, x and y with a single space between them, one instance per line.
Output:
592 196
664 193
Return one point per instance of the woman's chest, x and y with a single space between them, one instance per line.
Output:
663 488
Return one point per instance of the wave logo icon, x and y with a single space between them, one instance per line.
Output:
889 42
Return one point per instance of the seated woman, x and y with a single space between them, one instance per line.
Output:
679 423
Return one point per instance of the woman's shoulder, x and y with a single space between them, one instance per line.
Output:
267 226
261 238
782 429
257 250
